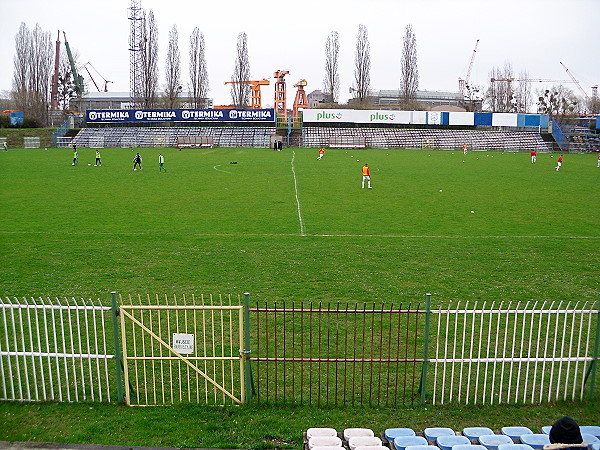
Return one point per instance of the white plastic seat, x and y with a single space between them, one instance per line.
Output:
363 441
352 432
324 441
312 432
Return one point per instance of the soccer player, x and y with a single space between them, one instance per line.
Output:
98 161
161 163
75 155
321 153
533 156
5 147
598 155
137 161
366 176
559 163
464 149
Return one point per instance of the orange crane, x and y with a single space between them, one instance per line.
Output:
255 86
300 102
280 94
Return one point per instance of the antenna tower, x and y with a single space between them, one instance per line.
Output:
136 74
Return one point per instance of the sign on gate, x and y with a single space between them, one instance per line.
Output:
183 343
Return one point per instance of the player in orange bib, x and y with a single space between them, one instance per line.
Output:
366 176
321 153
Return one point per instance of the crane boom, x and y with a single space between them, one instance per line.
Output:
471 63
77 79
575 81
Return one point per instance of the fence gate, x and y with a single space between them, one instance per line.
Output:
183 350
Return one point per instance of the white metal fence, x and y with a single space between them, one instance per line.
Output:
502 352
54 349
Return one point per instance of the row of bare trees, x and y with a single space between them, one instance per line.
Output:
409 81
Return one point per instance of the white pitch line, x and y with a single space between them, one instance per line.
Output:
218 165
297 200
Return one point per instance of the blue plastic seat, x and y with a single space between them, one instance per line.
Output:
392 433
421 447
401 442
448 442
515 447
431 434
547 428
589 439
468 447
473 433
492 441
537 441
515 433
590 429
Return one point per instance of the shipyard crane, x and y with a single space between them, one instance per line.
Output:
54 91
280 94
77 79
462 84
255 86
105 87
300 102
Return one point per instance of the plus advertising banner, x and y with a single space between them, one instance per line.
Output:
356 116
179 115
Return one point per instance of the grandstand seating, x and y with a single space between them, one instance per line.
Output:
435 438
429 138
259 137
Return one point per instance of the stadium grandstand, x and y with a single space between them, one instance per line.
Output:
341 128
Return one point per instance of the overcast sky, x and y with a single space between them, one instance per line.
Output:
533 35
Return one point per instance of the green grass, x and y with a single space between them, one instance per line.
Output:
208 226
255 427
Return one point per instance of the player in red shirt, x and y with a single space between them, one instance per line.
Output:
559 162
321 153
598 159
533 156
366 176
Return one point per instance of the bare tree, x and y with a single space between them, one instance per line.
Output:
173 70
523 93
362 60
32 72
409 83
499 96
149 50
198 72
240 92
332 78
558 101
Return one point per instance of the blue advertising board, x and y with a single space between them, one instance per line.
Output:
17 118
179 115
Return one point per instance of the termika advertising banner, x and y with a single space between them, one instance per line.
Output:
179 115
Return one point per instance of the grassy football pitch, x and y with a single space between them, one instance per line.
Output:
282 225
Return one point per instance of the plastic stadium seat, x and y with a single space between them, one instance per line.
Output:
590 429
372 447
312 432
431 434
468 447
589 439
537 441
401 442
352 432
515 433
422 447
448 442
473 433
515 447
363 441
324 441
392 433
492 441
547 428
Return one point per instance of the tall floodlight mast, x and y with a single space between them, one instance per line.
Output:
136 76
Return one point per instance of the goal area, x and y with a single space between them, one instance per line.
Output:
347 142
195 142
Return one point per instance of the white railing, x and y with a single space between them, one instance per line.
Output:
53 349
531 352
